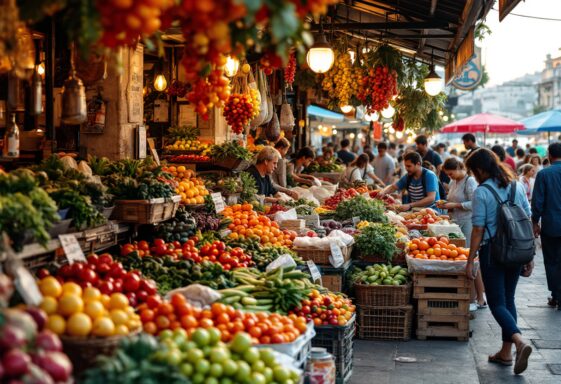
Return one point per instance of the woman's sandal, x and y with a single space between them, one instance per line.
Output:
522 356
495 359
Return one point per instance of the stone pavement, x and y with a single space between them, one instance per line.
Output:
443 362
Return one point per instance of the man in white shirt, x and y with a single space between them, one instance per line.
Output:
384 165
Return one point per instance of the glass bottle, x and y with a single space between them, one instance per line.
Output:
11 139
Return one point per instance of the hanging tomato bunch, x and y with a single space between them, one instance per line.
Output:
290 70
238 111
123 21
379 86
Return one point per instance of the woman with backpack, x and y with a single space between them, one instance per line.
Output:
460 192
500 270
360 170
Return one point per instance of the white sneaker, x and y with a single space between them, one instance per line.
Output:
472 307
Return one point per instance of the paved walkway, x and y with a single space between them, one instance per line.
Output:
443 362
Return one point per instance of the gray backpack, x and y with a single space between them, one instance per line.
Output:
513 244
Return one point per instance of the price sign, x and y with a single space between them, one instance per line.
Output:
218 201
27 286
337 259
314 271
356 220
72 248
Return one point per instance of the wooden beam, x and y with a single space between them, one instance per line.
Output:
385 26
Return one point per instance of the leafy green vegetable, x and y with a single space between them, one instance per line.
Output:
230 149
377 239
249 187
83 213
359 206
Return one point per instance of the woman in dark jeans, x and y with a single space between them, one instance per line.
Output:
500 281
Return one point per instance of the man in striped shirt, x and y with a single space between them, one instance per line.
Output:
420 184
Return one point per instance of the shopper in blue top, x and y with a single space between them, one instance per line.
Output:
546 205
420 183
500 281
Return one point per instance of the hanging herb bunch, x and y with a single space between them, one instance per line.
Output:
342 81
415 108
380 83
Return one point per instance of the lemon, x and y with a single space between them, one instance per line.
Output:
72 288
49 305
79 324
119 316
50 286
121 330
103 326
118 301
56 324
70 304
94 309
91 293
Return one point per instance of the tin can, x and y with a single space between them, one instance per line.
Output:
321 367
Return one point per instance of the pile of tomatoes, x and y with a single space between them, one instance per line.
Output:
124 20
379 86
107 275
432 248
246 223
238 111
264 328
326 309
342 194
217 252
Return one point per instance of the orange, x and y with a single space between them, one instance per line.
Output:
72 288
103 326
56 324
118 301
423 245
118 316
49 305
94 309
70 304
50 286
91 293
79 324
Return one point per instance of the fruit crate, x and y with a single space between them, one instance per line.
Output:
382 295
441 286
321 256
299 349
146 211
338 340
457 242
385 323
335 279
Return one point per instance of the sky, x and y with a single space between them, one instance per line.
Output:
519 45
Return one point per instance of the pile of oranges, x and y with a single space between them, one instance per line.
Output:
191 189
264 328
246 223
433 248
74 311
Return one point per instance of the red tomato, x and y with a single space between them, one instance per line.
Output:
93 259
153 301
131 283
143 245
105 258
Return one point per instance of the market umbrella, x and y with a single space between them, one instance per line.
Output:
485 123
548 121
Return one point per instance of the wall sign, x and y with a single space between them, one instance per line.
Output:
472 73
134 87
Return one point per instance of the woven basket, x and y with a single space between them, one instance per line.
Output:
83 351
382 295
321 256
146 211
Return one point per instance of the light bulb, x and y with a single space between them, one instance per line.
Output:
399 134
320 57
232 66
388 112
334 131
371 117
445 118
346 108
441 113
360 135
392 130
160 83
352 135
433 83
41 69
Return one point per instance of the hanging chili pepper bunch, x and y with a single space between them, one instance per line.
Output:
290 70
123 21
380 83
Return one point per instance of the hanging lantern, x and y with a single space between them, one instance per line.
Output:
388 112
346 108
73 97
160 83
433 83
320 57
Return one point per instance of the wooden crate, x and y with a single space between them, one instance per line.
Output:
441 286
385 323
458 242
382 295
434 307
454 326
335 279
146 211
321 256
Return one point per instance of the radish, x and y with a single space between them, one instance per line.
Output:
16 363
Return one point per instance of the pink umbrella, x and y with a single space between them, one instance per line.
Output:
483 122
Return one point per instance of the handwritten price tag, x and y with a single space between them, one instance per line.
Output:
337 259
218 200
314 271
72 248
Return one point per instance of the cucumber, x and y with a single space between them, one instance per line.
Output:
249 301
395 270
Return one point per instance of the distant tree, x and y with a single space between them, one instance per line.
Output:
484 78
538 109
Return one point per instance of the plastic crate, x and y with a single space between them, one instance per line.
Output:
385 323
335 279
338 340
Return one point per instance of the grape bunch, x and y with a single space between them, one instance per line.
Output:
123 21
238 111
379 86
290 70
206 222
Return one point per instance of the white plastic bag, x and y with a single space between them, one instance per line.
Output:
197 295
288 215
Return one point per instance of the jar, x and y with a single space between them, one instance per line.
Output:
321 367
